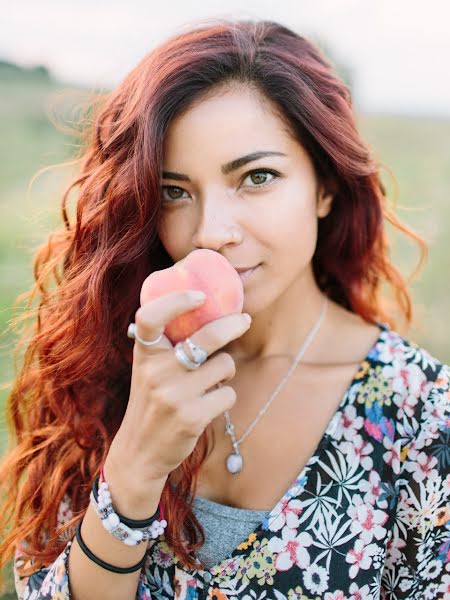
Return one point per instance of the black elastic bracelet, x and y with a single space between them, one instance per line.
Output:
133 523
101 562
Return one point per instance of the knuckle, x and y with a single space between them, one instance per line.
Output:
141 320
162 395
139 316
230 392
228 362
153 372
152 379
188 420
229 395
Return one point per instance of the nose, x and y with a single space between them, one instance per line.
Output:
217 226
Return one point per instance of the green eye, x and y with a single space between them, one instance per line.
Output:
169 189
259 177
171 193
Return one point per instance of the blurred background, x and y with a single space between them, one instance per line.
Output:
393 55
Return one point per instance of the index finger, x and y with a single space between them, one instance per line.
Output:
152 317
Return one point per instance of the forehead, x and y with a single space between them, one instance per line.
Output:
235 120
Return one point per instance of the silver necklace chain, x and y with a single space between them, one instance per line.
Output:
234 460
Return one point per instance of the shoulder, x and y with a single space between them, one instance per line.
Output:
416 383
409 367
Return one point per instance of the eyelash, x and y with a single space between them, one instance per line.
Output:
275 174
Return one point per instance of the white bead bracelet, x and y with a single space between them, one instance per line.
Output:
111 521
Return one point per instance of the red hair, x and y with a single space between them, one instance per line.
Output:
69 399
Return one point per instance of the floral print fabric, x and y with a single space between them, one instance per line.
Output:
368 517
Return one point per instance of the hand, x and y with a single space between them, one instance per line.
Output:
169 406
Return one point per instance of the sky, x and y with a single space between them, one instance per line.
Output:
398 51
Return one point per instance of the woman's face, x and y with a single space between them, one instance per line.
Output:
269 203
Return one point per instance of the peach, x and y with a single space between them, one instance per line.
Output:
204 270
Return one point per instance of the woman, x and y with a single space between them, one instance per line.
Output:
302 455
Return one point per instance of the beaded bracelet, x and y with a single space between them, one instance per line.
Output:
111 522
113 525
133 523
142 529
118 526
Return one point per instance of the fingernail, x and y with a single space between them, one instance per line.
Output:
247 317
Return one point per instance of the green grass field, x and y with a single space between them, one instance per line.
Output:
415 149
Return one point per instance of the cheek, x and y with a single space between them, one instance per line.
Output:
293 230
172 236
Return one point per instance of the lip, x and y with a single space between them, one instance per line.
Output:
244 274
244 269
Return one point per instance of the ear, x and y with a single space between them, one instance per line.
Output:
324 202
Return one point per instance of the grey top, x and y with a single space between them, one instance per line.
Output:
225 527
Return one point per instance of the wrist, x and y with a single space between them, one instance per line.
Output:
131 495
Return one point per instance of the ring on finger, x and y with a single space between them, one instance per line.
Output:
199 355
132 333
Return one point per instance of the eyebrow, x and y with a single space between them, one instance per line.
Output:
229 167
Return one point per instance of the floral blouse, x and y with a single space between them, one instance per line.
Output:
367 518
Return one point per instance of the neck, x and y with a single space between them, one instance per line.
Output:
280 328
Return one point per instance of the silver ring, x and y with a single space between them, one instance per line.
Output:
132 333
199 355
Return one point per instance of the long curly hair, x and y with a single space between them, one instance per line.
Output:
69 398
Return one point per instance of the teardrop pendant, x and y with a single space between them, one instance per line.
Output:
235 463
